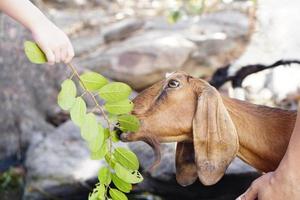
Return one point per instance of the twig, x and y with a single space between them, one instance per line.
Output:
98 106
71 66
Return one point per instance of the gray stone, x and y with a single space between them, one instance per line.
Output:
85 44
59 160
206 26
77 22
122 29
68 3
143 59
166 170
27 91
59 165
162 181
197 46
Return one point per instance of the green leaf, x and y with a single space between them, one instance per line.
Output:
114 136
98 193
101 192
89 128
126 158
110 160
67 94
34 53
104 176
93 81
93 196
120 184
78 111
101 153
127 175
117 195
114 92
112 117
106 133
120 107
128 123
95 144
174 16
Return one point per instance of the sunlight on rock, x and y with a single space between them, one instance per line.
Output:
87 169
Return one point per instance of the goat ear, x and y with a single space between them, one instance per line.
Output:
186 171
214 135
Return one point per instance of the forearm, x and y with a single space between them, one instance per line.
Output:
284 182
24 12
53 41
291 160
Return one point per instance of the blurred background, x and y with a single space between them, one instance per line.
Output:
137 41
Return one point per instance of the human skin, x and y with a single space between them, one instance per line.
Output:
52 40
284 182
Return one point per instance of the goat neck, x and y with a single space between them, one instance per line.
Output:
263 132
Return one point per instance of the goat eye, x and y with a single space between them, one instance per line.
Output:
173 84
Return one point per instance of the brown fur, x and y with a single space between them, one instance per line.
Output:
210 129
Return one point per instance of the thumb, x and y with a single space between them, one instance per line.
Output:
251 193
49 54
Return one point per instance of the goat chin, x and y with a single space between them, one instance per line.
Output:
155 145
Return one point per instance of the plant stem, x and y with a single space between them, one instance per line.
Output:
72 67
97 105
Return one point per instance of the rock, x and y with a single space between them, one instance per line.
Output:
122 29
143 59
59 161
27 92
166 170
194 45
85 44
206 26
219 40
68 3
59 166
162 181
74 23
228 188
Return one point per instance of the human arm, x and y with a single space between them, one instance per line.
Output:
53 41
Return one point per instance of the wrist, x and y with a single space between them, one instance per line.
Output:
289 166
39 25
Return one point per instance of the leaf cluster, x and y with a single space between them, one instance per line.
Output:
112 100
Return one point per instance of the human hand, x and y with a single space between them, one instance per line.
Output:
53 42
277 185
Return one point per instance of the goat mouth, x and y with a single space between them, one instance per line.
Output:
151 141
124 137
155 145
120 134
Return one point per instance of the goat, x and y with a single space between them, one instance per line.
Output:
221 75
210 129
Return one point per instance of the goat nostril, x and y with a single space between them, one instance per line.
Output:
118 132
123 137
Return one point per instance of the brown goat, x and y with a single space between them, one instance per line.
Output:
210 129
